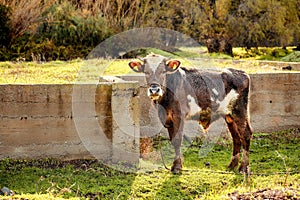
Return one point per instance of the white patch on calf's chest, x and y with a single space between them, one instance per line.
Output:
194 108
215 91
227 71
225 106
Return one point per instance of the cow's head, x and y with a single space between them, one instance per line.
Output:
155 67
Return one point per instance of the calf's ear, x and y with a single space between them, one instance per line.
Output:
136 66
172 65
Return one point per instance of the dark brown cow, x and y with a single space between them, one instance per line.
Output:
200 95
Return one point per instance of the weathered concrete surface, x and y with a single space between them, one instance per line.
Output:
68 121
36 121
126 126
92 118
275 101
51 121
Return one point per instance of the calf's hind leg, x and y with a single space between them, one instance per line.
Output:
241 134
232 126
246 137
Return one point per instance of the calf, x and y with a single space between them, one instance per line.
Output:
200 95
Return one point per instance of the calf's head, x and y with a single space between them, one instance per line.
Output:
155 68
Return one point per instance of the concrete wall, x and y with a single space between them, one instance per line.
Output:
36 120
72 121
275 101
69 121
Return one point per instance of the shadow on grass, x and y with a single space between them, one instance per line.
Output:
172 188
77 178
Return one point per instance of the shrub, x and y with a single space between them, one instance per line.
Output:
62 32
68 33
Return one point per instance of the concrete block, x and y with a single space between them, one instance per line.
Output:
125 124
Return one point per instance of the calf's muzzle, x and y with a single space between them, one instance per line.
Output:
154 91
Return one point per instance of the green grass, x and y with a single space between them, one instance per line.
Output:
33 73
264 53
292 57
61 72
274 161
260 53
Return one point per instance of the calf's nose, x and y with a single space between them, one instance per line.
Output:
154 89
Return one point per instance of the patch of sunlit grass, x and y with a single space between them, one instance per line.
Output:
274 164
68 72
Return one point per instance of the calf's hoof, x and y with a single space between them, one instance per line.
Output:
177 166
234 163
244 169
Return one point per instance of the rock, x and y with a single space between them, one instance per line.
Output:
207 164
287 68
6 191
275 194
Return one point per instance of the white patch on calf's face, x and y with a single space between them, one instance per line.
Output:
224 105
153 62
182 72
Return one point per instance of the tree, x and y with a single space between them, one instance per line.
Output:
214 27
248 23
4 26
265 23
293 20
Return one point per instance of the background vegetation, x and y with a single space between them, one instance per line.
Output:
45 30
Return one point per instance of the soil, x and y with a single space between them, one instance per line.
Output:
270 194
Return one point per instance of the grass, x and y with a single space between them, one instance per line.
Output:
263 53
60 72
274 161
33 73
292 57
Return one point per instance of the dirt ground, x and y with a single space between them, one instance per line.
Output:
264 194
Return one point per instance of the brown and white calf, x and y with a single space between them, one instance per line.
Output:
200 95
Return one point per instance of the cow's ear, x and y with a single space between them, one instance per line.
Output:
172 65
136 66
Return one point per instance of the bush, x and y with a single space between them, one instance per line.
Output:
64 25
68 34
62 32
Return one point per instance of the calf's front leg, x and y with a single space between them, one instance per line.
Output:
176 135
